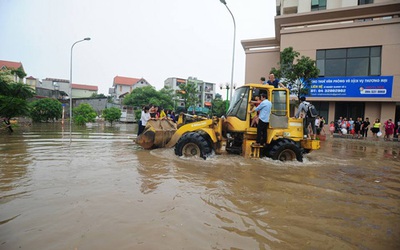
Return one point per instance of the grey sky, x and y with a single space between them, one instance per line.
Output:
153 39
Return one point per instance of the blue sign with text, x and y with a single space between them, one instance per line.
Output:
356 86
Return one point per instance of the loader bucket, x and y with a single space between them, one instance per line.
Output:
156 134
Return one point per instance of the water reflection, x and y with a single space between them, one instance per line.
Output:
14 163
344 196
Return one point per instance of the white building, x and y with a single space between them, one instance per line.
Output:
206 89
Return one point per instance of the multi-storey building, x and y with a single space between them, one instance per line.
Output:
356 44
206 90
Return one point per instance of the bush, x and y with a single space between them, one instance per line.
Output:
45 110
84 113
112 114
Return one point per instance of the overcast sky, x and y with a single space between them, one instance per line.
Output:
153 39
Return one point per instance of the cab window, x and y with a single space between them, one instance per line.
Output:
238 106
279 104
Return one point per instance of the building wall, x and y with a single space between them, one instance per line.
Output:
98 104
122 89
63 85
259 64
386 33
81 93
140 84
303 6
32 82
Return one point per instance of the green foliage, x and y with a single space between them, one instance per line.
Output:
46 109
296 73
94 95
19 72
218 107
84 113
140 97
138 114
167 97
112 114
13 98
189 93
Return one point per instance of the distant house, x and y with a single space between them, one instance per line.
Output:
83 90
32 82
13 66
124 85
62 85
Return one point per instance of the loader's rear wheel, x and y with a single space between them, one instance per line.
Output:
285 150
192 145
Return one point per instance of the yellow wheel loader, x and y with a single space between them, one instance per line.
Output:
233 134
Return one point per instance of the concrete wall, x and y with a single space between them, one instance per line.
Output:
98 104
260 63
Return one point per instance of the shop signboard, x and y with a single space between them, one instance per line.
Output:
355 87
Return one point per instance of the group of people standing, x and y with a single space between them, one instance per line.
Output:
153 112
359 128
388 127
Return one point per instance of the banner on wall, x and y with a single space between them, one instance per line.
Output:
356 86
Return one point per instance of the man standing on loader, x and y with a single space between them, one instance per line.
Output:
308 120
263 122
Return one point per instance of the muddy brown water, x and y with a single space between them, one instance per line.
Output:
100 191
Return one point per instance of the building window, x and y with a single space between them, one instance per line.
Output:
362 61
318 5
323 110
346 109
361 2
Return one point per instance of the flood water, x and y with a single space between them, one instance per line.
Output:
101 191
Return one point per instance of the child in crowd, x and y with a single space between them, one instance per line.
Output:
332 127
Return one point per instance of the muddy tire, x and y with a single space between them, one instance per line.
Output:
285 150
191 145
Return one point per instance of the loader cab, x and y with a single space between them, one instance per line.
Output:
238 118
239 102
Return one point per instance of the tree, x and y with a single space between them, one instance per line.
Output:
140 97
167 98
94 95
45 110
13 98
296 73
218 107
112 114
19 72
189 93
84 113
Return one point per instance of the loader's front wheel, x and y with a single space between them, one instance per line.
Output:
192 145
285 150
